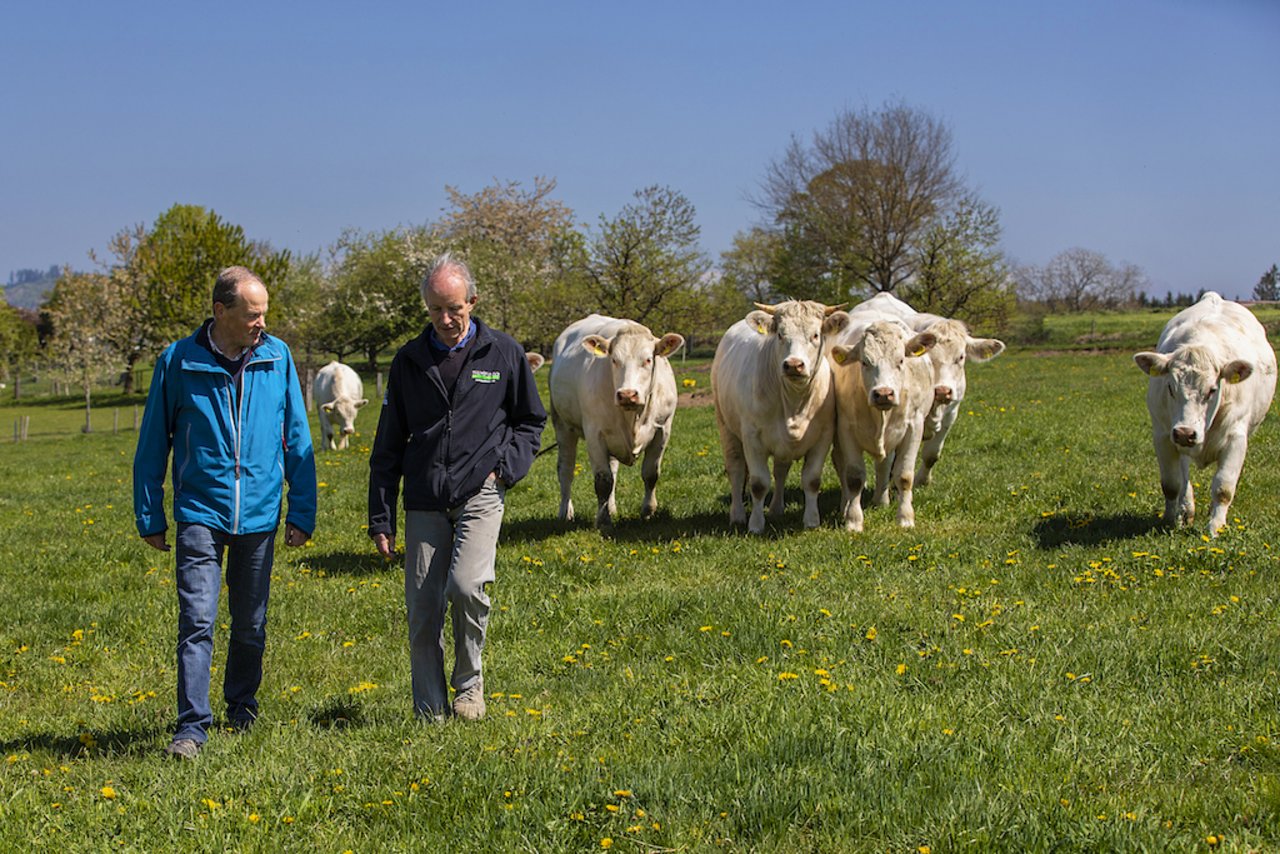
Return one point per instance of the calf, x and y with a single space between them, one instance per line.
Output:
1213 375
883 392
338 394
772 390
611 384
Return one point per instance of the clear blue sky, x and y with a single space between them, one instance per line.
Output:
1147 130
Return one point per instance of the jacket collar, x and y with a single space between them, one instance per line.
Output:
419 349
196 357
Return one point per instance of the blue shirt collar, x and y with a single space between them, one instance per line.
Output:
437 344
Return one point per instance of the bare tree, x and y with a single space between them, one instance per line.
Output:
864 191
1079 279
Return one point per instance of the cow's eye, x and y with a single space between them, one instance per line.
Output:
648 362
814 337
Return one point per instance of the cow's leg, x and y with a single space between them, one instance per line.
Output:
650 469
342 442
904 463
884 469
931 448
735 466
811 481
605 469
566 461
1171 478
326 431
853 474
758 484
1230 464
781 468
1187 498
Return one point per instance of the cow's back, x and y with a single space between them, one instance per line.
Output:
336 380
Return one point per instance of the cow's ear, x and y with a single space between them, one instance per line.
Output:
921 344
1152 364
327 407
841 354
760 321
668 344
361 402
835 323
535 360
1236 370
596 346
982 349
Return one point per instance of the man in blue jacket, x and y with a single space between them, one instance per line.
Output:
460 423
227 403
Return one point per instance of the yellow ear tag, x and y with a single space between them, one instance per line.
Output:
1235 378
919 351
840 357
761 328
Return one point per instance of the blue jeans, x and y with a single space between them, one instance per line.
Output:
199 577
449 558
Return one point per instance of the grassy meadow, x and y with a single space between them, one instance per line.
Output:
1036 666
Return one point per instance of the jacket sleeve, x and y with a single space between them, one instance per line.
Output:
155 441
386 459
299 458
525 419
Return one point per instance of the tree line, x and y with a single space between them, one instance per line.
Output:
873 202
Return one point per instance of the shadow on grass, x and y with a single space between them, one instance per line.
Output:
1085 529
90 744
347 563
664 526
337 714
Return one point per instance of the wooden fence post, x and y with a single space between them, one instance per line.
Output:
115 420
379 386
26 425
135 417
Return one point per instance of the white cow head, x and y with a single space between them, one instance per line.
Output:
1190 381
342 414
799 329
632 353
948 356
881 353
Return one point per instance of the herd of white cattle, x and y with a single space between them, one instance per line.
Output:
799 381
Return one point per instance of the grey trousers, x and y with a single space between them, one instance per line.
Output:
449 558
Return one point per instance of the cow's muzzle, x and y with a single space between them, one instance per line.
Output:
883 398
1185 437
943 394
795 367
628 398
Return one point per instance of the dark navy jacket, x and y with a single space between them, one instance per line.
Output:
443 449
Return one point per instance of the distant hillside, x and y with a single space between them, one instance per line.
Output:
28 288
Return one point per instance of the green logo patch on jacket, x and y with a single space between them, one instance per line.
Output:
486 376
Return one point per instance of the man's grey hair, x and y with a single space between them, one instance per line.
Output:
226 289
448 262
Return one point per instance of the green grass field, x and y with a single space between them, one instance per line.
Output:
1035 666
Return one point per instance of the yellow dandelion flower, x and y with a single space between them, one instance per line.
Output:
871 634
901 669
108 792
611 807
606 843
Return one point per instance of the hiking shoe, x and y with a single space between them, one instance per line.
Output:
469 704
183 748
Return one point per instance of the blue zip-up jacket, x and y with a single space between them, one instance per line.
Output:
445 447
230 457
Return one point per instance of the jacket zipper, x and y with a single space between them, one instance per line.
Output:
235 430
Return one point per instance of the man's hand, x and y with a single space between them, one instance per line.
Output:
156 541
293 535
385 545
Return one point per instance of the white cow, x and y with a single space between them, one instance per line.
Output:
1213 376
338 394
883 392
611 384
947 358
772 389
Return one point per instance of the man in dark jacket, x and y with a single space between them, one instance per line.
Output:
460 423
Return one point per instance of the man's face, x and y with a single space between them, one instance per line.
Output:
242 323
448 306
